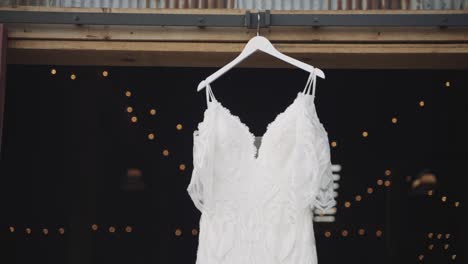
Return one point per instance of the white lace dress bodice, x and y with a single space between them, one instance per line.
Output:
258 209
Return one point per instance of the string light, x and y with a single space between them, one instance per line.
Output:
73 76
444 199
430 235
394 120
431 247
129 109
457 204
105 73
421 257
358 198
347 204
12 229
361 232
178 232
134 119
182 167
165 152
94 227
421 103
387 183
61 230
151 136
28 230
128 229
194 231
430 192
447 84
378 233
370 190
388 172
53 71
334 144
447 236
112 229
45 231
365 134
152 111
179 126
454 257
439 236
344 233
327 234
446 246
379 182
128 93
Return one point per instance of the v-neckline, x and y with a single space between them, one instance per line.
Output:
256 152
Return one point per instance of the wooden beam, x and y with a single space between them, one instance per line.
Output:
325 47
180 54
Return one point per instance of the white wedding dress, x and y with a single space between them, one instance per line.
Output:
259 209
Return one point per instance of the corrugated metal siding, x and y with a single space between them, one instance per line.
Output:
253 4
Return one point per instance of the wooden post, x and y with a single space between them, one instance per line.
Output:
3 50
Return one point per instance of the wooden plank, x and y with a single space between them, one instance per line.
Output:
181 54
3 68
275 34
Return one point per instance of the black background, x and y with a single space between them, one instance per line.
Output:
67 146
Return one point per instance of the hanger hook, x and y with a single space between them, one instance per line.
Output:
258 23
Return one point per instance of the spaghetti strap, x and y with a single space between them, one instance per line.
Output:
209 94
311 80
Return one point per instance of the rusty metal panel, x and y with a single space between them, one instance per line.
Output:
253 4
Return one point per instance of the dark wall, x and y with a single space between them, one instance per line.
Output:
68 144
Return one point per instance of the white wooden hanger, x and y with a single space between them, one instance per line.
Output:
255 44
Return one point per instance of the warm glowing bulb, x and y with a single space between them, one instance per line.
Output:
166 152
179 126
370 190
430 235
388 172
344 233
347 204
28 230
128 93
421 103
447 84
182 167
431 247
129 109
379 182
105 73
61 230
327 234
112 229
361 232
457 204
444 198
152 111
12 229
365 133
178 232
358 198
394 120
430 192
53 71
73 76
94 227
387 183
134 119
333 144
194 231
128 229
378 233
421 257
151 136
45 231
